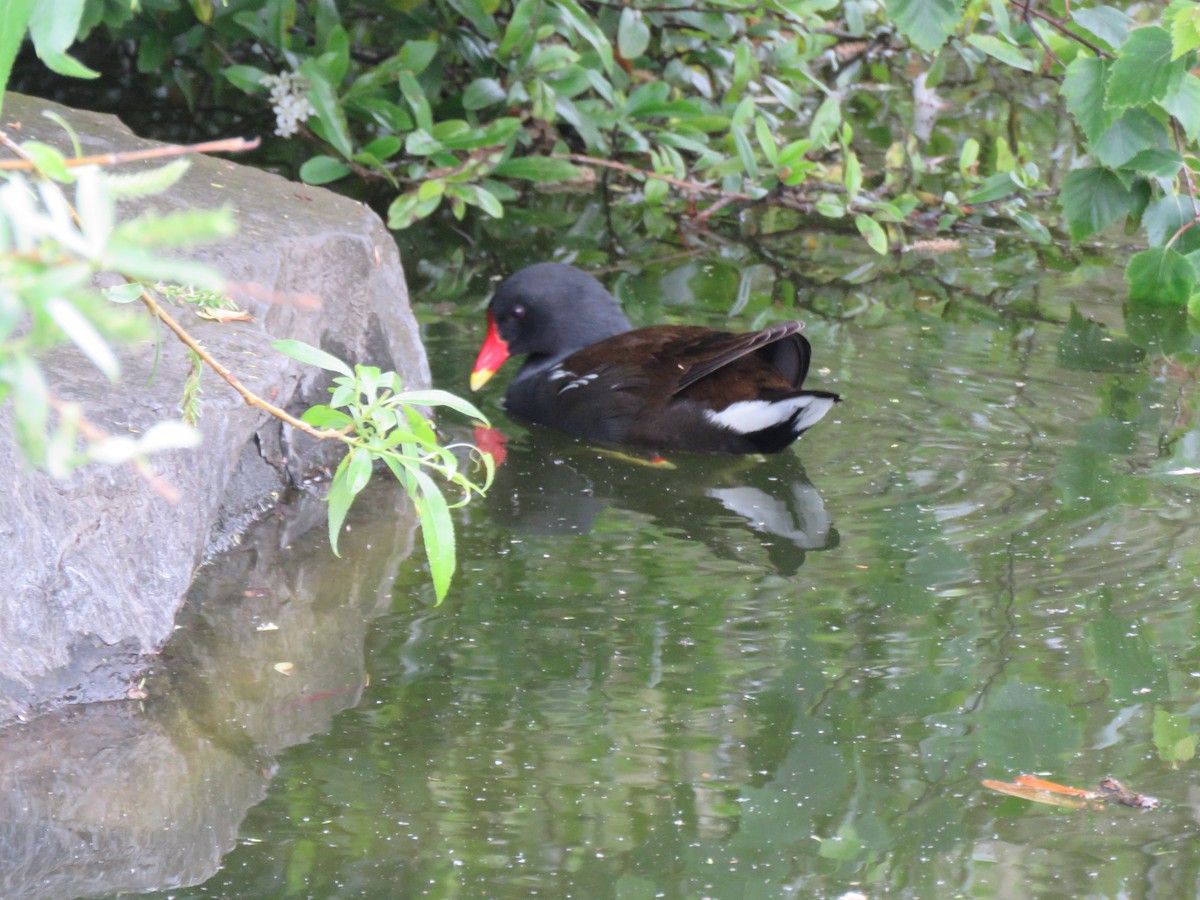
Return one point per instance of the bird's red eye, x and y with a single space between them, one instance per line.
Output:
518 312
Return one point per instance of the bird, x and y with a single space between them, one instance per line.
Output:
590 374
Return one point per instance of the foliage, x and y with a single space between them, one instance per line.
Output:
703 114
379 420
50 252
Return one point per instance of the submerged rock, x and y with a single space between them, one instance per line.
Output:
99 565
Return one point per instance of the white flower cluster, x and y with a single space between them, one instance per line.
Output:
289 99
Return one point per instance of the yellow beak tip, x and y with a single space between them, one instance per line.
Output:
480 377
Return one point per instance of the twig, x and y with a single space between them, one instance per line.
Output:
634 170
228 145
1027 10
251 398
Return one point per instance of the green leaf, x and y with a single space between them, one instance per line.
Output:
1001 50
415 56
633 34
927 23
1032 226
995 187
479 16
1084 87
247 78
745 152
766 140
323 169
587 28
1144 70
83 334
437 531
384 146
1173 737
414 94
1134 131
1110 25
645 99
49 160
520 31
873 232
1165 218
12 34
409 208
1156 163
53 27
1184 16
329 109
483 92
968 156
538 168
1159 277
434 397
1092 199
553 59
321 416
853 175
825 121
477 196
306 353
341 496
124 293
1184 104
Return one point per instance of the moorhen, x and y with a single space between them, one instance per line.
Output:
667 387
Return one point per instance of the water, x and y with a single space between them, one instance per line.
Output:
763 678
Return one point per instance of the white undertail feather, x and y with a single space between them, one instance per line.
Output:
750 416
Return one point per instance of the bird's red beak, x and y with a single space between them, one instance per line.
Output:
491 356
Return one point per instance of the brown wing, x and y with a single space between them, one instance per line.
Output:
675 357
782 344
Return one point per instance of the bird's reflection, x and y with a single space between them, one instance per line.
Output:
547 484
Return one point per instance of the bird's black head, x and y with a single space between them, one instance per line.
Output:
551 309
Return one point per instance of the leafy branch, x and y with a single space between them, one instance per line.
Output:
48 256
378 420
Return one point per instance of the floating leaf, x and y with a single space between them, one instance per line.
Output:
1173 737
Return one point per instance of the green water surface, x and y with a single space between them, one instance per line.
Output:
787 677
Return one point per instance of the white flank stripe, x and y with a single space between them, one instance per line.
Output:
749 416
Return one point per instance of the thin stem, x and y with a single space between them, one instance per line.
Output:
1027 10
251 398
228 145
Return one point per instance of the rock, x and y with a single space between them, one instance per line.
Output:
98 566
135 796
